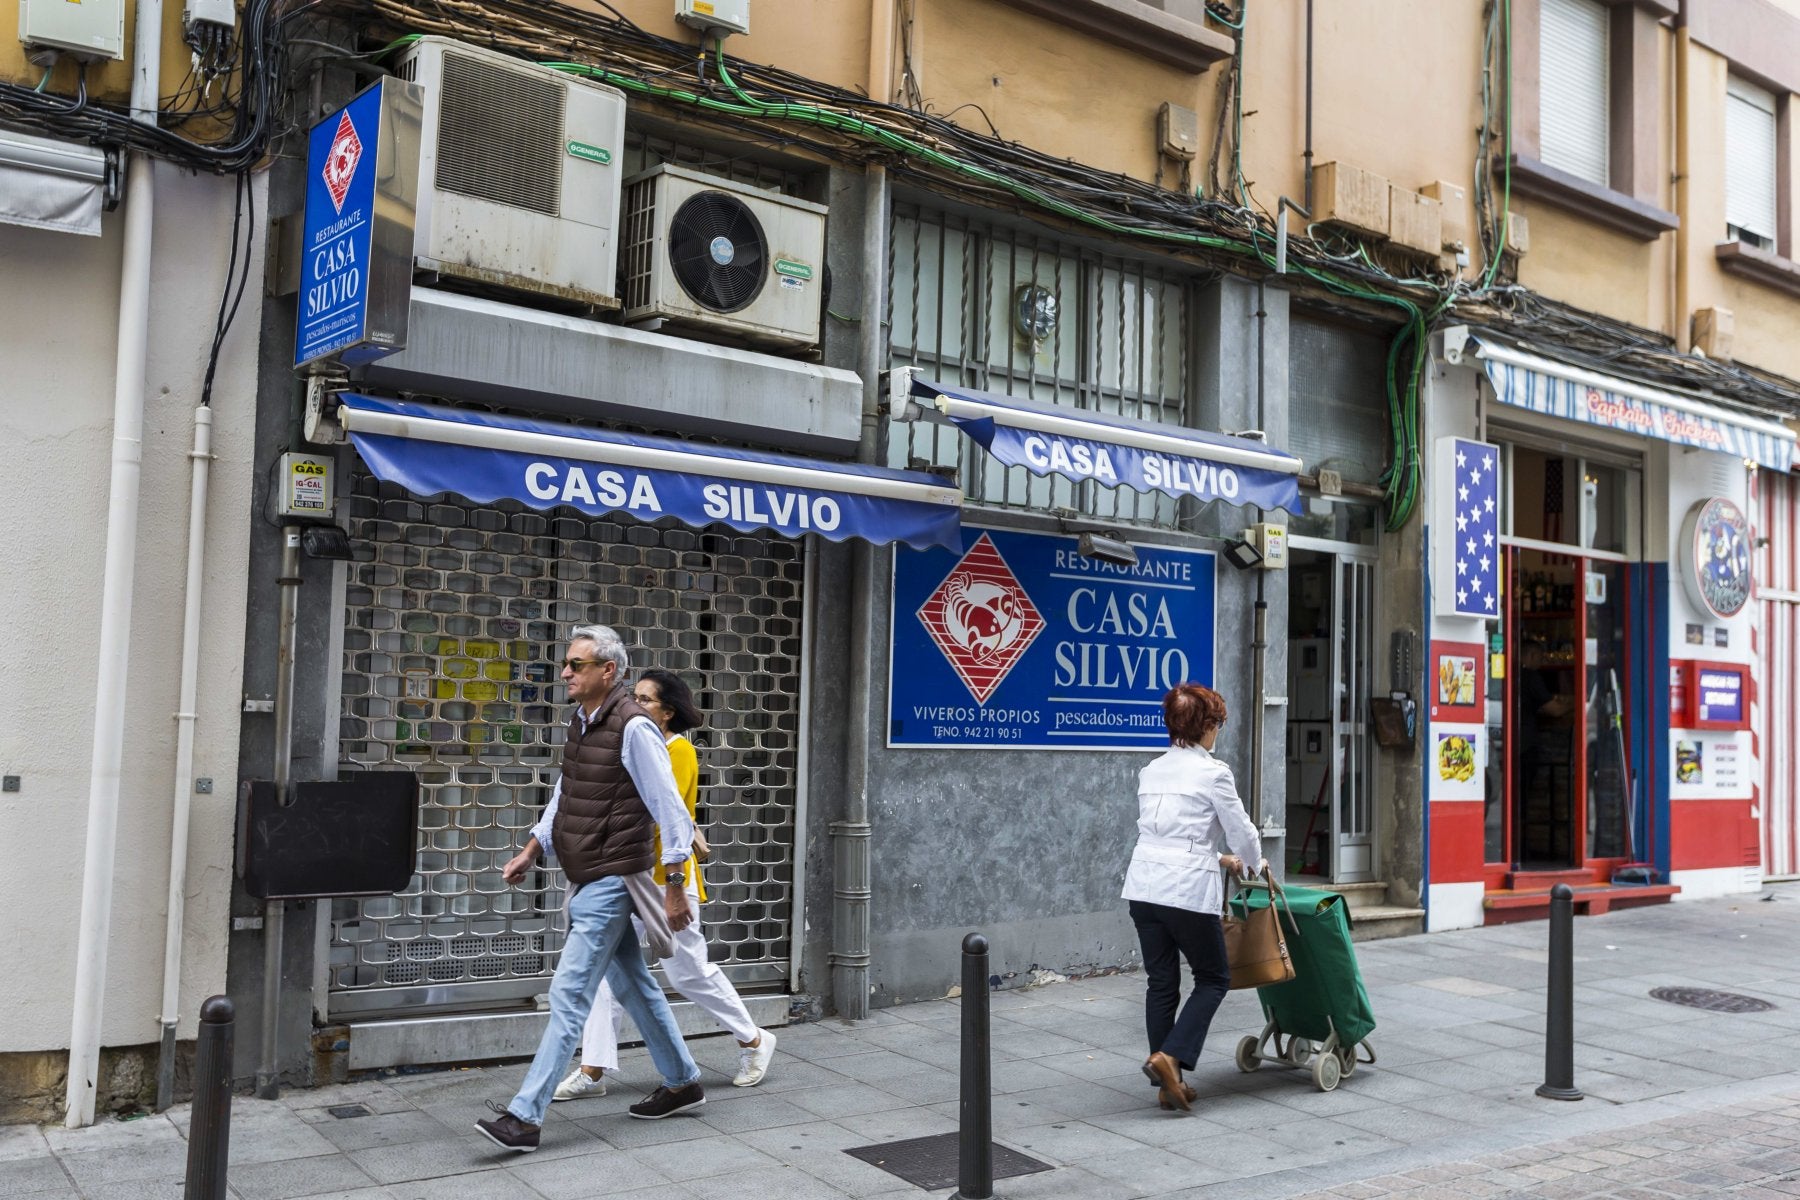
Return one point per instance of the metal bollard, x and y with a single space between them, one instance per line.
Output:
975 1142
1559 1022
209 1136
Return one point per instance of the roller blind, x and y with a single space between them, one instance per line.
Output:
1750 158
1572 88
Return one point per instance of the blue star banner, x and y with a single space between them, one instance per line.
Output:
1466 548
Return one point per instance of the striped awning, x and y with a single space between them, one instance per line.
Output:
1557 389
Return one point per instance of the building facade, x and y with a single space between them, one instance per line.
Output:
1118 337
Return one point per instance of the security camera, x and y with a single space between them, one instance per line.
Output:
1107 549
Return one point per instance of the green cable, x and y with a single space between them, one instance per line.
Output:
45 79
1506 155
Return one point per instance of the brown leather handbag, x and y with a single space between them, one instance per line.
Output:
1255 946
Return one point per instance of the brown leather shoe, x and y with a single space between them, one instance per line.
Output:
1187 1090
1166 1072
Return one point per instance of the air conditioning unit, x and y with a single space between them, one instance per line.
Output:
723 258
518 173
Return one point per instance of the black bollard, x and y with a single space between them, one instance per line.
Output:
1559 1022
209 1136
975 1142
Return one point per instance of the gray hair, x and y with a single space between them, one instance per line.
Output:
607 644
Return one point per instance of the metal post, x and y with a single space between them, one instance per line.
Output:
975 1145
209 1137
268 1082
1559 1023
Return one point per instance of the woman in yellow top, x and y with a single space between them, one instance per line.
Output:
671 705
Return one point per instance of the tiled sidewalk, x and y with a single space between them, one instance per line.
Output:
1678 1098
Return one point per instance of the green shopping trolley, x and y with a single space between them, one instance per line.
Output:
1320 1020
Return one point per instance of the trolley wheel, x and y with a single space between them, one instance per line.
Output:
1246 1055
1347 1062
1298 1051
1326 1070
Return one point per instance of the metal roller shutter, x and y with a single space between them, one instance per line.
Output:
455 614
1573 88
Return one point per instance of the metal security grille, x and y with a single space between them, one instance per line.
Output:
1000 309
455 615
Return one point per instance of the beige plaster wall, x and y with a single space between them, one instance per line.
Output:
56 398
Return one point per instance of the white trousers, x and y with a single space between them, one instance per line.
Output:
689 973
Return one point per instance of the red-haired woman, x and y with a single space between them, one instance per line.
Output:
1187 804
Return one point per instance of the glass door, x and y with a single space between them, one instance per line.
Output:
1352 825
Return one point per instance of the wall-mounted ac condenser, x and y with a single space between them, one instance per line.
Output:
518 173
723 258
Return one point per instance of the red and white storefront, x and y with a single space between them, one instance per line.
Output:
1596 657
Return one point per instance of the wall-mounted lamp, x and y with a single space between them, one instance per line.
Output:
1107 549
1242 555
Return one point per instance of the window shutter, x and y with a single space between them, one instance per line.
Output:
1573 94
1749 158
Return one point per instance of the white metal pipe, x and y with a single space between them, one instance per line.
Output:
619 454
107 764
201 455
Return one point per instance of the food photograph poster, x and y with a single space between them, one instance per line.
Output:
1458 762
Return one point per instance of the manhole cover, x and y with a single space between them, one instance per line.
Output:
930 1162
1711 1001
344 1112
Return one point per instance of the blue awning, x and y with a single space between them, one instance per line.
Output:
1082 445
1557 389
428 449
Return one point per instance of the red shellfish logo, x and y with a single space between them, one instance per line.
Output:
340 161
981 618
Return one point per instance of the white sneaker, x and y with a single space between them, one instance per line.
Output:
578 1086
753 1061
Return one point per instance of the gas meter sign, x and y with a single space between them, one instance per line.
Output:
356 239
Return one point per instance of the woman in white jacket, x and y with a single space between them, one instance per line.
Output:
1187 803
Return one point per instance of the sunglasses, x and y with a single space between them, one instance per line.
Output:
575 664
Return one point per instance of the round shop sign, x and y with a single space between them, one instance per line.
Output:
1715 552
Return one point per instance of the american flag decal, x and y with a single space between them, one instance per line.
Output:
1470 583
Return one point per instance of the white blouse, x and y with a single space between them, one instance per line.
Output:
1187 803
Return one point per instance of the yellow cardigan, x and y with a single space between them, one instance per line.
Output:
686 765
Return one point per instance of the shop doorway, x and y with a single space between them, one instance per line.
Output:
1330 810
1560 790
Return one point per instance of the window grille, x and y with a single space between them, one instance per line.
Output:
969 306
1574 88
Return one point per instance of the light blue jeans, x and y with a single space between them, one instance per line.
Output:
600 943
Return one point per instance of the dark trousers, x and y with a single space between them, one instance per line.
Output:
1168 935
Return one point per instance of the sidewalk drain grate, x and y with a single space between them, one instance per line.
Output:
344 1112
1711 1001
931 1162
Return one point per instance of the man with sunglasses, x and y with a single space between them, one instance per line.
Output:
616 789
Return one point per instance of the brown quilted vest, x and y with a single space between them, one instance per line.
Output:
602 826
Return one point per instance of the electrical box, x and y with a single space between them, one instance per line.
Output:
89 30
1518 233
1352 197
305 483
1414 221
210 12
1453 211
1177 132
728 16
1270 541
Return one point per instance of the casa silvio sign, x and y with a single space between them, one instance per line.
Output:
1112 465
1021 642
356 240
431 449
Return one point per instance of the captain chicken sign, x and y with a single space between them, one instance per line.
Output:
1022 642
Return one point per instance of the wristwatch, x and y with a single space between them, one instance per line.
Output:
676 878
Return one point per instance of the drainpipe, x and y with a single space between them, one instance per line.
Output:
113 646
850 837
1307 155
1681 329
1259 630
201 455
268 1086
